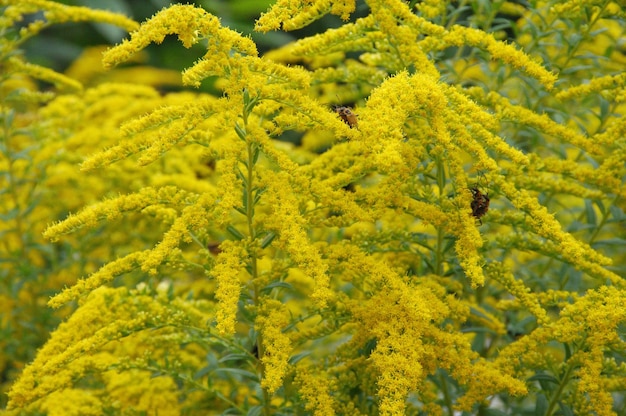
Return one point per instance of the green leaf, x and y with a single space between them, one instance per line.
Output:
257 195
493 412
544 377
250 105
274 285
568 352
255 154
267 240
566 410
478 313
604 108
541 405
590 213
235 232
234 357
610 242
240 132
298 357
8 116
203 372
238 372
255 410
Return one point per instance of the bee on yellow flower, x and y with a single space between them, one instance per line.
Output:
480 203
348 116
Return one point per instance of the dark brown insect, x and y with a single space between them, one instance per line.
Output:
214 248
348 116
480 203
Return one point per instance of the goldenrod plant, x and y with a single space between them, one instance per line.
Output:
419 211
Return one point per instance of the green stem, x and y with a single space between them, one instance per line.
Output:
555 398
446 394
13 187
250 189
441 183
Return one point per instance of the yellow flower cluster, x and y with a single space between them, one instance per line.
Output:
292 15
271 320
402 253
60 13
316 388
226 272
77 346
192 25
587 326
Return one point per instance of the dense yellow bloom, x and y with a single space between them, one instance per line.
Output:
517 288
192 25
316 390
106 274
270 322
43 74
292 15
291 235
59 13
588 326
260 228
226 273
104 317
507 111
114 208
140 391
545 225
595 85
72 402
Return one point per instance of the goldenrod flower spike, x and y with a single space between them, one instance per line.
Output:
55 12
113 208
405 320
174 124
196 211
104 275
226 272
191 24
440 38
291 235
316 387
42 73
271 321
418 96
595 85
509 112
79 345
517 288
464 36
292 15
587 324
545 225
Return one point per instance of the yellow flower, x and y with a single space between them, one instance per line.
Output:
192 25
104 275
291 236
292 15
316 388
276 347
226 272
60 13
517 288
72 402
44 74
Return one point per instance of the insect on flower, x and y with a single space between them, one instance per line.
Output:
348 116
480 203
